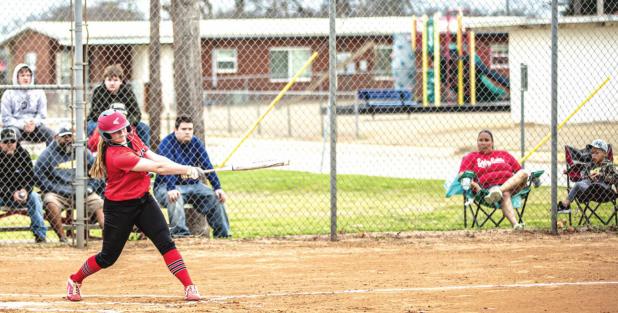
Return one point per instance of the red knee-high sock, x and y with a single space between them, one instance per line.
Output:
176 265
88 268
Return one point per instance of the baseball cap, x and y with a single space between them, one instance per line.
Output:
9 134
119 106
64 130
599 144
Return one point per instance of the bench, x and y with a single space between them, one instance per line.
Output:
386 97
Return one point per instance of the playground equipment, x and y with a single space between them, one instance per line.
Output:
441 57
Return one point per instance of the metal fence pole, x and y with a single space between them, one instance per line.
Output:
332 93
80 175
554 114
522 121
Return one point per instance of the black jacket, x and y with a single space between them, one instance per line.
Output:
102 99
16 172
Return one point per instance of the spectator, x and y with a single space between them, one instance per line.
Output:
600 171
115 89
497 170
55 170
17 180
26 110
172 191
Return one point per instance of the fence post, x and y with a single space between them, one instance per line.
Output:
80 117
554 114
332 103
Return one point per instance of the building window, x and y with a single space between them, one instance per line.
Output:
382 67
225 60
285 62
63 67
345 64
499 55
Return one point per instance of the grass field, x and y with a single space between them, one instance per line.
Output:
272 203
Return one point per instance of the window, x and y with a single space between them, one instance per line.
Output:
285 62
382 67
225 60
345 65
63 67
499 55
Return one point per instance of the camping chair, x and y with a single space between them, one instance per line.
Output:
482 212
590 201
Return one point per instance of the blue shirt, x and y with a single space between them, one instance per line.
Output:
192 153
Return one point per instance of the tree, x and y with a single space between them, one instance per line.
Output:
102 11
589 7
188 84
154 97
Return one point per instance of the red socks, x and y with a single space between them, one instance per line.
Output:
88 268
176 265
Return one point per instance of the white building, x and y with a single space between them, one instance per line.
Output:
587 55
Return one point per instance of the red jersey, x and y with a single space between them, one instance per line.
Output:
491 169
122 183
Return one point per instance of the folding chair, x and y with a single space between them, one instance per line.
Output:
590 201
482 212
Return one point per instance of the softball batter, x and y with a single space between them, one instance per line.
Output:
125 162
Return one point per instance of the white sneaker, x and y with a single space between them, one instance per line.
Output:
494 195
73 291
191 293
519 226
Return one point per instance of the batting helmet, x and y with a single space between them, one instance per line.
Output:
111 121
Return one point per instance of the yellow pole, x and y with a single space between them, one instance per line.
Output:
460 89
472 68
424 60
436 58
546 138
271 106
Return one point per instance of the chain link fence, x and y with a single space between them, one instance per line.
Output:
217 84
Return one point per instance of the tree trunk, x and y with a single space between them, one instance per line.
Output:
154 98
188 62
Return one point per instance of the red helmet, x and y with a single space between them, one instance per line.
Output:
111 121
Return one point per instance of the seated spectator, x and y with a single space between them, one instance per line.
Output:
497 170
173 191
115 89
17 181
55 170
26 110
600 171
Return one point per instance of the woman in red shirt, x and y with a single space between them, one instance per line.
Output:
125 162
497 170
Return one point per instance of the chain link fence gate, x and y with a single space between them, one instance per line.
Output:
416 83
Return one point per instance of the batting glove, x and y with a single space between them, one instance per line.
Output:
192 173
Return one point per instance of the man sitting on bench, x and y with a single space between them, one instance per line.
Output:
55 170
17 180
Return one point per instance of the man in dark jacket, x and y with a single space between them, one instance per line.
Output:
17 180
173 191
115 89
55 170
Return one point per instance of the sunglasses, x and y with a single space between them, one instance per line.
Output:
9 141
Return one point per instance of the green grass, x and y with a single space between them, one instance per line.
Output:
271 203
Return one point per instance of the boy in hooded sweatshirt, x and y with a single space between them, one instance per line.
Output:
26 109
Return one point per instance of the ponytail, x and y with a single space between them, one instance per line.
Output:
98 170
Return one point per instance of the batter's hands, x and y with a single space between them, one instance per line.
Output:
192 173
173 195
221 196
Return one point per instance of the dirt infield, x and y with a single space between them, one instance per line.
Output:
492 271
